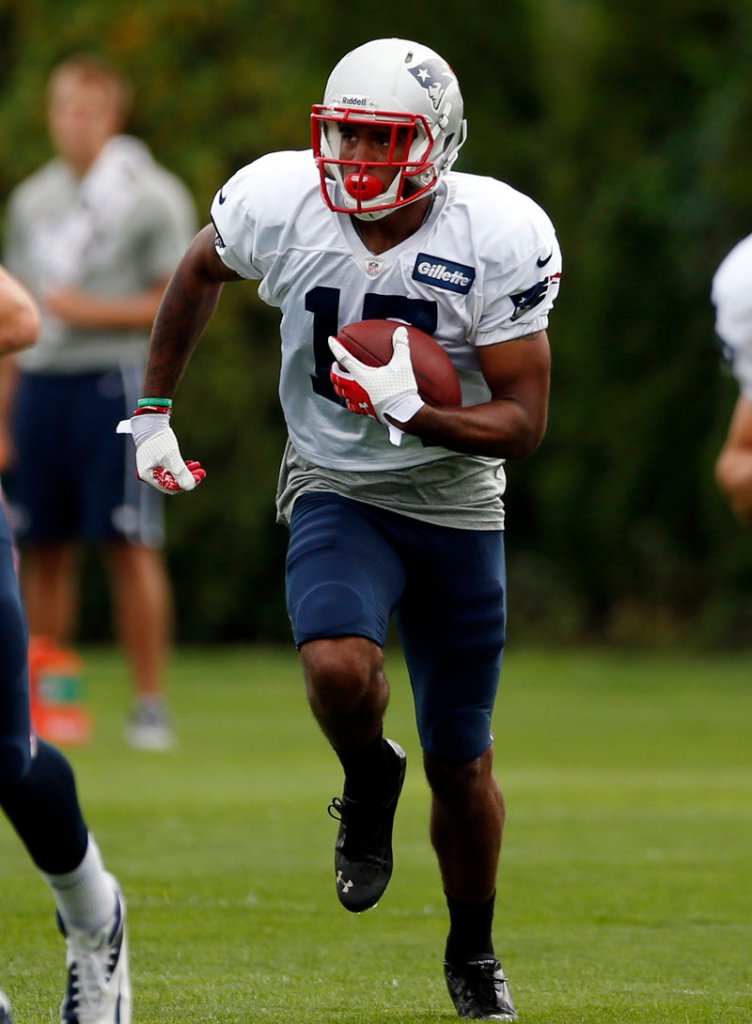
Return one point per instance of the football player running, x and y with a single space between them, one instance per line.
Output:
375 224
732 296
38 790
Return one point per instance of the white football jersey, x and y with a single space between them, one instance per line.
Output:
732 297
483 268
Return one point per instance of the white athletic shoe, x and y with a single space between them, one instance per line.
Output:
6 1017
149 727
99 990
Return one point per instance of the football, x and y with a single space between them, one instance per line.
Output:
370 341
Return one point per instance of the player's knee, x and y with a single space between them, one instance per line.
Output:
345 680
452 783
342 665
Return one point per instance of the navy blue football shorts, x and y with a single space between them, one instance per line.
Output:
74 477
15 724
351 565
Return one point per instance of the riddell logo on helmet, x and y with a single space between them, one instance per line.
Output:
355 101
455 277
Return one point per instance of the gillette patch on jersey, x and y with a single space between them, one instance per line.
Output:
441 273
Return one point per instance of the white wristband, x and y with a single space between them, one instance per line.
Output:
402 407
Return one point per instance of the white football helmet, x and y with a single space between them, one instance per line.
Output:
404 87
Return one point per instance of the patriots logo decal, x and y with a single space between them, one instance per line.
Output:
531 297
434 76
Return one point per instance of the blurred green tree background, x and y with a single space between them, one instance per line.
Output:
631 125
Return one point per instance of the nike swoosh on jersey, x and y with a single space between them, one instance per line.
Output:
539 262
221 198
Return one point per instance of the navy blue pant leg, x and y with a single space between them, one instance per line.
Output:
351 565
37 793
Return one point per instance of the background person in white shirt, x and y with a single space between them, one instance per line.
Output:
94 234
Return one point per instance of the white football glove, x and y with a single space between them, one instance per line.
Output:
392 389
158 458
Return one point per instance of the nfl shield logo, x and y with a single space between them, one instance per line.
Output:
374 266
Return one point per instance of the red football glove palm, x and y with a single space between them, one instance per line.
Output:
355 395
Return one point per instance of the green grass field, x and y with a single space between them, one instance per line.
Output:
625 890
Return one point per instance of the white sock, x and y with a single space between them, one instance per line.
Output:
85 897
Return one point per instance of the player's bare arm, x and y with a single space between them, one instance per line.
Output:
186 308
734 465
512 424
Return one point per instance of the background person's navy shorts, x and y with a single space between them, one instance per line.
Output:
350 565
73 476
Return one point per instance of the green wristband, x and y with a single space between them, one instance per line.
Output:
166 403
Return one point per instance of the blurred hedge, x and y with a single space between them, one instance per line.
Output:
629 125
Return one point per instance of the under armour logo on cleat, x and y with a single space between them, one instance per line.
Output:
346 886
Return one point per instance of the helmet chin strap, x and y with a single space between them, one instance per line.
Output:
370 215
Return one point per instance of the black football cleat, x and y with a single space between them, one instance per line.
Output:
479 990
363 852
